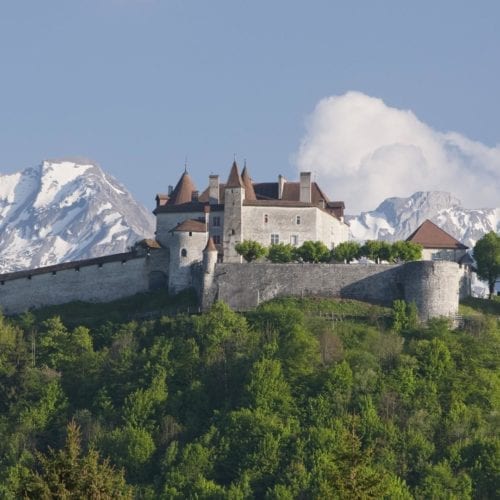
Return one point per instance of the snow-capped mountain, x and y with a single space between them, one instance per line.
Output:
396 218
66 210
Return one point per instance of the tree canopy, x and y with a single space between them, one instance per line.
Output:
299 398
487 255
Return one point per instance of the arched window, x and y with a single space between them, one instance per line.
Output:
184 253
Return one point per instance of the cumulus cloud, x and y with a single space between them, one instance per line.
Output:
364 151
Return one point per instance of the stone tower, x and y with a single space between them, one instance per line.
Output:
234 196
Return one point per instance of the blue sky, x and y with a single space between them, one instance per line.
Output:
136 85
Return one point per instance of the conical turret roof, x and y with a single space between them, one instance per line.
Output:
234 179
247 182
210 246
183 191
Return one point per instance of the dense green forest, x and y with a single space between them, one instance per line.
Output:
310 399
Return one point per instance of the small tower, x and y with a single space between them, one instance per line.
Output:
186 247
234 196
208 289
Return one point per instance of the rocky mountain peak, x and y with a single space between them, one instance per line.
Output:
66 210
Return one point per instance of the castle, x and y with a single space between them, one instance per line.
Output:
194 247
271 212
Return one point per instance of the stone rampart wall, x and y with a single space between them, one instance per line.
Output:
433 286
92 283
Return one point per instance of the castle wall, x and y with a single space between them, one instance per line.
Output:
433 286
93 283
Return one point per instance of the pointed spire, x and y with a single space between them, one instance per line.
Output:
234 179
210 246
247 182
183 191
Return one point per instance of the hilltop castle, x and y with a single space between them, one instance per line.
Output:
270 212
194 247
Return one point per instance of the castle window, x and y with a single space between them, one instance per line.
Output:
297 219
184 252
216 221
294 240
216 238
53 273
190 233
266 218
233 231
275 239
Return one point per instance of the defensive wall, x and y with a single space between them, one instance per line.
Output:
433 286
100 279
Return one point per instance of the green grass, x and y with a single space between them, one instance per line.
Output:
140 306
338 307
472 306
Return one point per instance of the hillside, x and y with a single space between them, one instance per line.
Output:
66 210
299 398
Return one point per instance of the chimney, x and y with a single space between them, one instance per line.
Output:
170 189
194 195
213 189
281 186
305 187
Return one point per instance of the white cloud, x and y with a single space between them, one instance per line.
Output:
364 151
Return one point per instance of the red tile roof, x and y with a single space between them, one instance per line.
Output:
234 179
183 191
431 236
210 246
192 226
247 182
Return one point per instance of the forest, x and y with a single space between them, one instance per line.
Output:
307 399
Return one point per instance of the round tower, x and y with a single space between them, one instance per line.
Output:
433 286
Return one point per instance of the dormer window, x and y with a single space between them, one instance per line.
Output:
266 218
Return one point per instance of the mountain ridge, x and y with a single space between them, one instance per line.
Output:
396 218
62 210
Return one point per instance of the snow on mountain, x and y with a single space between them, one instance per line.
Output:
396 218
66 210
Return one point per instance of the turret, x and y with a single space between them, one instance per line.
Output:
234 196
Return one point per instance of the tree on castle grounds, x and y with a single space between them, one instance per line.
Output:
346 251
250 250
281 253
487 255
313 251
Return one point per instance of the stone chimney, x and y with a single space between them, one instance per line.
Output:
213 189
194 195
305 187
170 189
281 186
